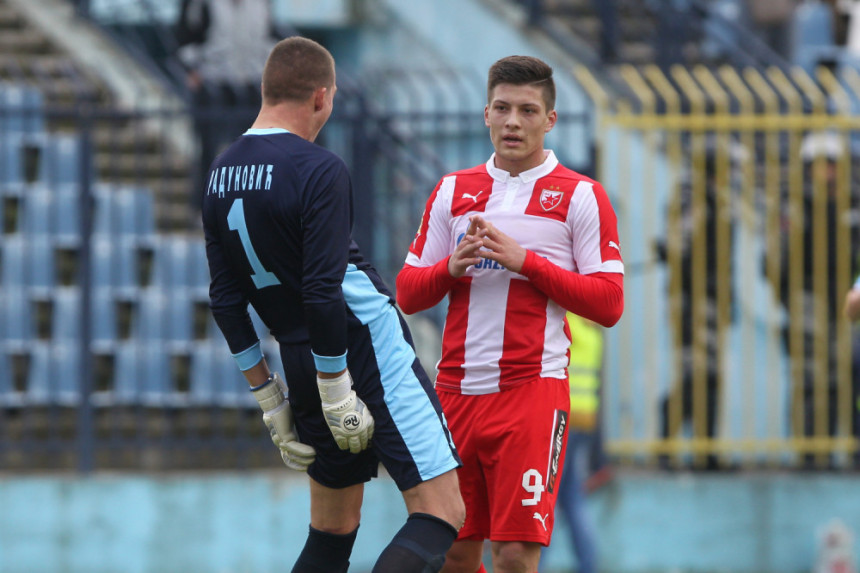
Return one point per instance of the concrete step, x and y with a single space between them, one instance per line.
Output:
24 40
10 18
113 165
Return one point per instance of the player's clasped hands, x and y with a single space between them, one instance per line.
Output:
348 418
484 240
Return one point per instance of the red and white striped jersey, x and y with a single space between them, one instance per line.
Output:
501 330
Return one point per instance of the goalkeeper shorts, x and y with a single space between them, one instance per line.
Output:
410 438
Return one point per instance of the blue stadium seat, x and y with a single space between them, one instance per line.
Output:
38 209
68 213
11 162
16 317
21 108
179 322
66 319
172 268
135 211
6 388
104 319
142 373
28 262
215 378
124 211
54 375
115 264
150 318
61 160
13 270
199 278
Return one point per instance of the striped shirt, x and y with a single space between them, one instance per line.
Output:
502 329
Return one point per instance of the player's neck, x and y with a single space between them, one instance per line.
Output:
515 167
295 120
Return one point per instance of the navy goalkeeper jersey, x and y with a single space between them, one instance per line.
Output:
277 213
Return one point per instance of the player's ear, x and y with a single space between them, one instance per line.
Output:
552 117
487 115
319 98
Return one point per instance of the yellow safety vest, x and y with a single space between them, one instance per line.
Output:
586 357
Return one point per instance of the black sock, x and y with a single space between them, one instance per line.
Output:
419 546
325 552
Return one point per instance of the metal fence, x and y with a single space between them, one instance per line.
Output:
109 357
738 206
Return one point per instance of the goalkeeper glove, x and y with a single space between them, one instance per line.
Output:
347 416
278 417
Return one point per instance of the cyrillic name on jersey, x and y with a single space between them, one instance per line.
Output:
235 178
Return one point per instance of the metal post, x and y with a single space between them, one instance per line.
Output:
362 180
85 433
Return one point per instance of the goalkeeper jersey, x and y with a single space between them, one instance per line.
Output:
277 214
505 328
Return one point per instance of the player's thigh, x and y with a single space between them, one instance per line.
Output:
335 510
463 557
527 457
439 496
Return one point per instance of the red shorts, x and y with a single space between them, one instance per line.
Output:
512 445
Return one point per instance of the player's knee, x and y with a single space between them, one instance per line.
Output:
462 559
419 547
515 556
458 513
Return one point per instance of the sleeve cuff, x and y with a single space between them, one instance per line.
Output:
529 265
249 357
330 364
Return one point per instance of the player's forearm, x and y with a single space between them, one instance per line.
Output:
597 296
236 326
326 322
420 288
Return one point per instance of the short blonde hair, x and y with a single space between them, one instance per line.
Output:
295 68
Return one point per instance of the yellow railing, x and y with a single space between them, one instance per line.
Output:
733 189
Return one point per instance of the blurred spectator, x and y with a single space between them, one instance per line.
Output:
223 45
772 20
811 228
606 10
586 358
841 10
699 218
852 313
852 302
672 32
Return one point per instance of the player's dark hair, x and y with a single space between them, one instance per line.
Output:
295 68
523 70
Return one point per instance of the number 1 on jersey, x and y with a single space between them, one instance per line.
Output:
236 222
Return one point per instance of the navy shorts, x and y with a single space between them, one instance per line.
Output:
410 438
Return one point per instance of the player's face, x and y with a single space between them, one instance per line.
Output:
518 122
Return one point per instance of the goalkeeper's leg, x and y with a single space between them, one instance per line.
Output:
436 513
334 523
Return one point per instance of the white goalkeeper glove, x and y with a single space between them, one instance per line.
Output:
347 416
278 417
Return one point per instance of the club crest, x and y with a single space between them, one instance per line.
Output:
550 198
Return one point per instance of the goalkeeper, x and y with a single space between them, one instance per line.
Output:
277 214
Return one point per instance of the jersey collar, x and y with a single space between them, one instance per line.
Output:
533 174
265 131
